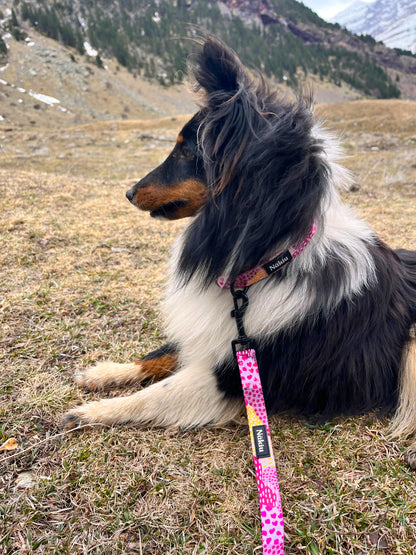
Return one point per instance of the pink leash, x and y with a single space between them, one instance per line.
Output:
267 482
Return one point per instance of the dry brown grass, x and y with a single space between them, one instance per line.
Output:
82 273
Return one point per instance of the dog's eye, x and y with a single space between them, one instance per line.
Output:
187 153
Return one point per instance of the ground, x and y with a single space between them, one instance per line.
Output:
82 276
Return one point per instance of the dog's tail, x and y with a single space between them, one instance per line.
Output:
404 420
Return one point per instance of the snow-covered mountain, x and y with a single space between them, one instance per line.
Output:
390 21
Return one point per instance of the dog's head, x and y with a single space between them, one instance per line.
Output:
247 164
177 188
181 185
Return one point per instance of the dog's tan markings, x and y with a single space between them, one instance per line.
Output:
111 374
188 398
180 139
148 197
155 195
158 367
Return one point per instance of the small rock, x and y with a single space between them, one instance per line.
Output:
25 480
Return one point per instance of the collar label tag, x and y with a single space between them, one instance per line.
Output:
261 442
277 262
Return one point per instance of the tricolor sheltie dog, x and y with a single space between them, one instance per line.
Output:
333 329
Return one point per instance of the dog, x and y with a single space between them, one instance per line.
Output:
333 329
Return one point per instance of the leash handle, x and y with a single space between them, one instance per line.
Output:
267 481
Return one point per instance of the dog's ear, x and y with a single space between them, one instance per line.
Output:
229 108
218 70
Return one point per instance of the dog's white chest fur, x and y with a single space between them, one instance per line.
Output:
199 320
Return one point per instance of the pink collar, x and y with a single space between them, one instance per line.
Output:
272 265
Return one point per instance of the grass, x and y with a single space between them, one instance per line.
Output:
82 275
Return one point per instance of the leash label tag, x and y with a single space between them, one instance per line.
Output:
278 262
261 442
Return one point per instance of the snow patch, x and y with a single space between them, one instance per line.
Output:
89 49
6 37
50 100
82 23
393 23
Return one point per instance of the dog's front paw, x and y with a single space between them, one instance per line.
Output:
95 377
410 456
84 415
72 420
104 413
107 374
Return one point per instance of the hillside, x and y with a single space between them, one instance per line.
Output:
45 84
283 38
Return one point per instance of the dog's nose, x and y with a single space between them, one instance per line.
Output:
130 193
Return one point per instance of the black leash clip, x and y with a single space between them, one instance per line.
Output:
240 299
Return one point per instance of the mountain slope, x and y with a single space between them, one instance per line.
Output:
392 22
282 38
46 85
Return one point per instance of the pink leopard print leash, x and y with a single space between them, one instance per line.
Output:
267 482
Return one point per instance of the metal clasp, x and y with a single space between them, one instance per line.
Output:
240 299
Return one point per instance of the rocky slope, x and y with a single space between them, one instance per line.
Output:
45 84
